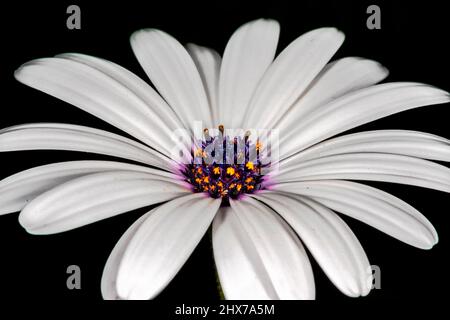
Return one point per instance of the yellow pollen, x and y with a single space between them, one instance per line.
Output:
249 165
250 187
216 170
199 152
206 179
230 171
239 187
248 180
258 145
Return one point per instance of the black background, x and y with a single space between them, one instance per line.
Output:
411 44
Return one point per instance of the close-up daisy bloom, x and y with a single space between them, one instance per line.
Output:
193 146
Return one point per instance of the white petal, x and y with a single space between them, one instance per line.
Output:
99 94
138 86
94 197
402 142
59 136
336 79
370 205
357 108
291 73
248 54
162 244
370 166
258 256
109 276
208 64
328 238
19 189
174 74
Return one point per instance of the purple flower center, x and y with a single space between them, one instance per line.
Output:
225 167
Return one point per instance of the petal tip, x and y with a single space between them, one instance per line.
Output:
144 32
29 220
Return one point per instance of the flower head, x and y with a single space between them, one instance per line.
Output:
265 204
230 167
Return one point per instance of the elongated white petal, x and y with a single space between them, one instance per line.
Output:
328 238
94 197
371 166
248 54
19 189
174 74
98 93
291 73
109 276
139 87
258 256
208 64
402 142
336 79
370 205
163 114
356 108
59 136
162 244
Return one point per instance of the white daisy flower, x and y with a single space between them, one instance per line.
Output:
261 222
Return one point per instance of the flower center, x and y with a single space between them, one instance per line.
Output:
225 167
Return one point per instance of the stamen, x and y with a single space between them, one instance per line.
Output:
206 134
247 135
258 145
231 172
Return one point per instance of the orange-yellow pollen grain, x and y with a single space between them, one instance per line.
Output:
230 171
216 170
249 165
199 152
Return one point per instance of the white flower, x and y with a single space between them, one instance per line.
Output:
258 237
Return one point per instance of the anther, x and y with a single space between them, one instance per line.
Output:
206 133
221 129
247 135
